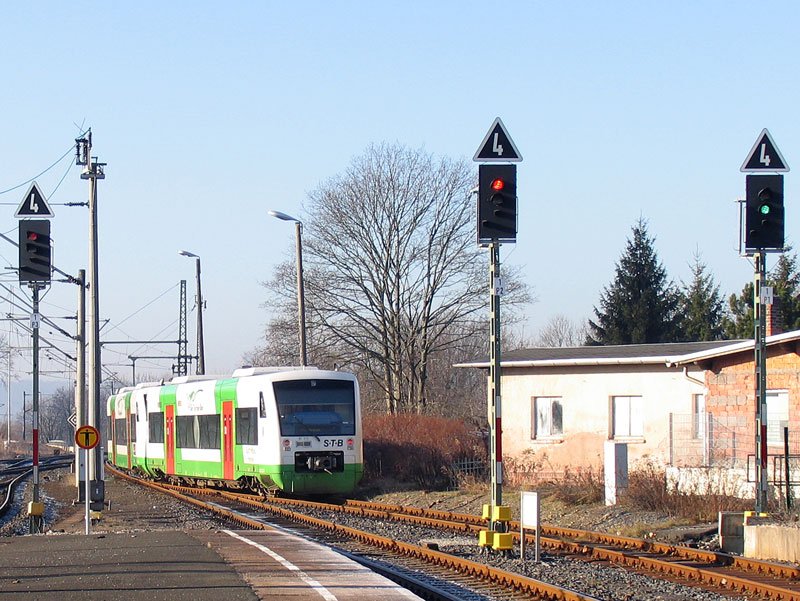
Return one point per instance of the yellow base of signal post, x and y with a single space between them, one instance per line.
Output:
35 508
496 539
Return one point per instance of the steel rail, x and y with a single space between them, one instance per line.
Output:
710 568
6 504
755 566
507 580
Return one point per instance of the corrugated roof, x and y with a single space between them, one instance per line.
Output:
622 351
628 354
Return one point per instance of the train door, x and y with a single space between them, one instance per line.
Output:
227 440
170 419
129 417
112 432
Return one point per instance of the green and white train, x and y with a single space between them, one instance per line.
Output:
296 430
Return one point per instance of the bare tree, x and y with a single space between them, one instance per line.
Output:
393 274
560 330
54 411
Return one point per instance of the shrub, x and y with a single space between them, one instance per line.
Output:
648 489
581 486
417 449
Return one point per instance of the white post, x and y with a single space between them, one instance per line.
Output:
615 471
529 518
87 492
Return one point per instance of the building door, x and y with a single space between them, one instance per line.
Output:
227 440
170 439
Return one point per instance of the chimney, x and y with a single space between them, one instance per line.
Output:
774 318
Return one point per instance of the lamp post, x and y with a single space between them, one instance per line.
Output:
301 303
201 360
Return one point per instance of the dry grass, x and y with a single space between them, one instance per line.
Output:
648 489
408 450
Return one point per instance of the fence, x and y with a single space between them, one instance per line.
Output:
468 470
706 440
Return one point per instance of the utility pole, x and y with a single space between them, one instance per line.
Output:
24 415
93 171
182 368
36 508
201 353
80 369
760 360
8 396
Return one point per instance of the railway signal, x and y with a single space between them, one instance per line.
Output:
35 251
764 212
763 233
497 223
497 203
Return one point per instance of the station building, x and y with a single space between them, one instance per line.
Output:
686 406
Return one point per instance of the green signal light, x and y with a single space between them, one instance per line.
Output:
764 209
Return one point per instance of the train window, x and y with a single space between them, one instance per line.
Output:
209 431
316 407
246 426
121 431
133 430
185 435
262 406
157 427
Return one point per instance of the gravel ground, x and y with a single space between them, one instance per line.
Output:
133 508
594 579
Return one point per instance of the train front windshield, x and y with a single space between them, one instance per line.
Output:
316 407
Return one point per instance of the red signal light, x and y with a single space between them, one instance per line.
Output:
498 184
33 236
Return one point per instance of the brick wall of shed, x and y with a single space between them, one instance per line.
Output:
731 392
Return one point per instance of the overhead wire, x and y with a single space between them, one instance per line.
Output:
56 162
24 304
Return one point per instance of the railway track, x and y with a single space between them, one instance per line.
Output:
401 561
709 570
12 473
713 570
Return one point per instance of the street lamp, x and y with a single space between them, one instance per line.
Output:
301 303
201 360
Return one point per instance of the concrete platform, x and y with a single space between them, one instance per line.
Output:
170 565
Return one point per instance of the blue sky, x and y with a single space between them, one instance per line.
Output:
210 114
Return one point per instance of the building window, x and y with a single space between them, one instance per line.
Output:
628 421
777 415
698 415
547 415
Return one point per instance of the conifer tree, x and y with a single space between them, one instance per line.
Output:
785 281
739 321
702 305
641 305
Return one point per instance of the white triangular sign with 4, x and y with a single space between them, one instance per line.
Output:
34 204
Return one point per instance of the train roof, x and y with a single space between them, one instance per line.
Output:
257 371
149 384
185 379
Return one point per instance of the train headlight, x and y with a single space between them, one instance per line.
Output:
287 444
350 444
